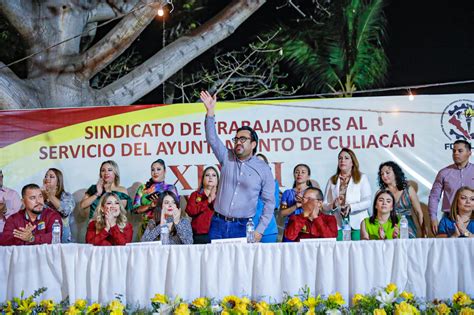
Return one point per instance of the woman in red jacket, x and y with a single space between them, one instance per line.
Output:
109 226
200 205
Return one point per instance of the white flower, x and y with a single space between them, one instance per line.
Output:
333 312
216 308
385 298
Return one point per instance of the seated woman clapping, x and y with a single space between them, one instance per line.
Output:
460 221
311 222
200 205
167 212
109 226
383 224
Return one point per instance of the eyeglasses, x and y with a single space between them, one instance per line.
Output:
240 139
311 199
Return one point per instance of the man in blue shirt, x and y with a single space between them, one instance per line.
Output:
244 178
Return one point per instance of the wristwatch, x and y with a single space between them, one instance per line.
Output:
32 238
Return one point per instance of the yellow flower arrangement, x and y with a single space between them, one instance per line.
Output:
391 287
159 298
200 302
26 306
406 309
311 311
80 304
245 300
182 309
466 311
9 308
262 307
72 310
312 302
380 311
357 298
462 298
115 307
407 295
48 305
93 309
336 298
230 301
295 303
241 308
442 309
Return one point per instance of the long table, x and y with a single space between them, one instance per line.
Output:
431 268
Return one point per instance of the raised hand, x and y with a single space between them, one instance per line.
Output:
176 215
154 198
111 219
100 186
209 102
299 200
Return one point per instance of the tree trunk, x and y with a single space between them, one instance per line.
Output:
58 75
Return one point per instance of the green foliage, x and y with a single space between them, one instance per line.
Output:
345 53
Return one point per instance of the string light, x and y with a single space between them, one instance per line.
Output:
357 92
161 12
411 97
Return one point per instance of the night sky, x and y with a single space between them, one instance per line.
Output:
427 42
430 42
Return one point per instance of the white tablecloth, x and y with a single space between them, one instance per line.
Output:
427 267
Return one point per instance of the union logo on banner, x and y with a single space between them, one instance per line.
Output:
456 120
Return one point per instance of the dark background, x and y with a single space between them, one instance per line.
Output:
426 42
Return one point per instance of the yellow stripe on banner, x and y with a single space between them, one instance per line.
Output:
27 151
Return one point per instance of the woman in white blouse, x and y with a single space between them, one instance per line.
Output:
348 194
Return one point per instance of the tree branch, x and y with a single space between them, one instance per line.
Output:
172 58
117 40
18 13
106 10
14 93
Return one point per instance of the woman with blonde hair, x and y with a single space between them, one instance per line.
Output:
109 181
56 198
460 221
109 226
348 194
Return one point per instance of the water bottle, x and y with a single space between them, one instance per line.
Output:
346 230
56 233
165 234
250 231
404 228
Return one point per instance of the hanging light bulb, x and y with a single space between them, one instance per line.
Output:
411 97
161 12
